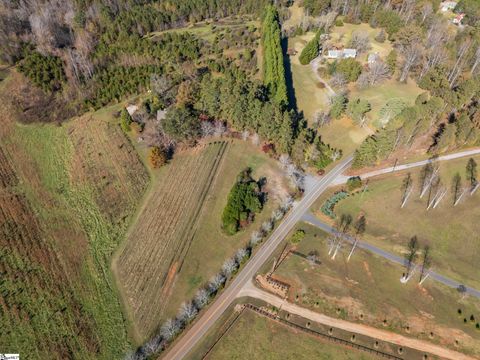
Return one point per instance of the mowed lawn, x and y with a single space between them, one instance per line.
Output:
367 289
255 337
309 94
451 232
379 95
176 243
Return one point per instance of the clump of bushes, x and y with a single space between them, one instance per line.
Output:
353 183
156 157
328 206
297 236
245 199
125 121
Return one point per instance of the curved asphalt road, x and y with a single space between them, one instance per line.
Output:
189 338
313 220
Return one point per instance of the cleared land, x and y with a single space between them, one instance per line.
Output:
367 290
311 96
451 232
177 243
256 337
58 298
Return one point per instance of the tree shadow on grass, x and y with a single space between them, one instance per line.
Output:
292 100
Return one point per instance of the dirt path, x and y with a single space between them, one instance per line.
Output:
315 65
250 290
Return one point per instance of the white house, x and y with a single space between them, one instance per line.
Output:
340 54
447 5
350 53
334 54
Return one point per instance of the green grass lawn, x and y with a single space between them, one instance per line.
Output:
367 290
211 246
451 232
309 95
378 96
255 337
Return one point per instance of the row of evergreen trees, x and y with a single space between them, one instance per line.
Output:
273 66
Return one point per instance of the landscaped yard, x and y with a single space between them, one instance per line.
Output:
451 232
367 290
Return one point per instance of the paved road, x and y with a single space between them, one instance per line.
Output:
191 337
342 179
397 339
313 220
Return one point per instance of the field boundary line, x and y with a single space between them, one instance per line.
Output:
331 338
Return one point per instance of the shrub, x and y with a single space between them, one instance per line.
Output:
327 207
339 103
297 236
125 121
354 183
349 68
338 22
310 51
157 157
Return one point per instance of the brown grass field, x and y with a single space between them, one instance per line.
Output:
159 240
367 290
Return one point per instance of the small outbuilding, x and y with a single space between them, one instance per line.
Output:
448 6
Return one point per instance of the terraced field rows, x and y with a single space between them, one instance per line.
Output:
106 160
158 243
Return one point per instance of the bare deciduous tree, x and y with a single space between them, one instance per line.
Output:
426 11
411 55
426 263
201 298
359 226
407 187
255 139
456 188
377 72
457 68
360 41
338 81
228 267
321 118
187 312
169 329
207 128
240 255
410 258
255 238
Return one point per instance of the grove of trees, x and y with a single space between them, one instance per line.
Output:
245 199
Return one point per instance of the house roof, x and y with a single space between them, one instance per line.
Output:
334 53
349 52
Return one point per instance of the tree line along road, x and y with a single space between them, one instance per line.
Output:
182 346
